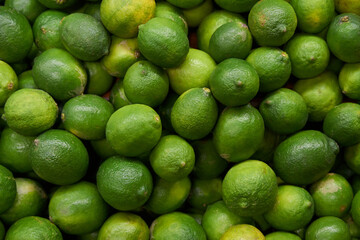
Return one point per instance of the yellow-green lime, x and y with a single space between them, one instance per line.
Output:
242 232
166 10
349 80
31 9
99 80
282 236
194 72
321 94
347 6
26 80
328 228
124 225
7 189
240 6
194 16
8 82
117 95
30 111
204 192
250 188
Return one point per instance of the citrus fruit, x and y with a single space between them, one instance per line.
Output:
268 145
355 208
59 73
117 95
7 189
122 54
122 18
194 16
321 94
78 208
160 32
185 3
242 232
30 8
165 109
99 80
194 72
272 22
352 157
146 83
46 30
30 111
347 6
293 209
284 111
56 4
30 200
16 37
231 40
167 196
204 192
328 228
8 82
234 82
349 80
342 124
2 230
103 148
238 128
176 225
133 130
309 55
33 228
272 65
166 10
14 151
343 31
125 184
281 236
173 158
236 6
26 80
93 9
86 116
332 195
59 157
305 157
249 188
354 228
124 225
194 113
313 16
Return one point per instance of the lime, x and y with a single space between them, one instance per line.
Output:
56 4
243 232
328 228
268 145
103 148
7 189
194 16
185 3
31 9
241 6
204 192
99 80
349 80
26 80
165 109
166 10
117 95
347 6
282 236
8 82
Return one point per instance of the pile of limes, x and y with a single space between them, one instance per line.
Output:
180 119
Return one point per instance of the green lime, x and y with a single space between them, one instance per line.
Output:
86 116
243 232
14 151
31 9
249 188
218 218
208 163
349 80
176 225
160 32
103 148
93 9
60 74
342 124
125 184
2 231
355 208
332 195
185 3
355 183
352 157
231 40
78 208
347 6
99 80
335 64
293 209
20 67
30 200
146 83
341 36
272 65
117 95
194 72
272 22
168 196
89 236
234 82
124 225
59 157
204 192
16 37
282 236
354 228
47 30
7 189
30 111
58 4
268 145
33 228
166 10
284 111
321 94
122 18
313 16
212 22
194 113
238 128
165 109
84 36
8 82
309 55
26 80
133 130
194 16
241 6
328 228
305 157
122 54
173 158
